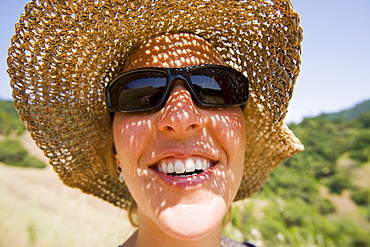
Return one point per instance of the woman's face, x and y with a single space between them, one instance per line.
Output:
179 135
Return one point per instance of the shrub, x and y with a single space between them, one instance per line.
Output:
364 119
361 197
339 182
324 206
13 153
9 119
360 155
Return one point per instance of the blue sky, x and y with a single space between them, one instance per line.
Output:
335 72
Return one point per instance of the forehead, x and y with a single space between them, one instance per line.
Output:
173 50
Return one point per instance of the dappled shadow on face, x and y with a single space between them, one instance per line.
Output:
220 139
179 116
173 51
181 130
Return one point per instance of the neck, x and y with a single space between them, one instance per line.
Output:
149 234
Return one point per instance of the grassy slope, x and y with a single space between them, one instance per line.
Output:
38 210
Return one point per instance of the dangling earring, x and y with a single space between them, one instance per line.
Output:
121 178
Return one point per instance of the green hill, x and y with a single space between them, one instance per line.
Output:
9 119
350 114
319 197
12 151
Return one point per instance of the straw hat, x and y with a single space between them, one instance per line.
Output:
64 53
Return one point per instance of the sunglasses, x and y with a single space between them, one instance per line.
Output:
148 89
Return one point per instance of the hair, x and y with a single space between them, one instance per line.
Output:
109 158
133 214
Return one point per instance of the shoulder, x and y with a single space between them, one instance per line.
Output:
249 244
228 242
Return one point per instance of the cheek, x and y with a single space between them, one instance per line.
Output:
230 133
130 133
228 126
131 137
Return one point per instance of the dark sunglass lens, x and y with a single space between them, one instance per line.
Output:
220 86
138 90
207 88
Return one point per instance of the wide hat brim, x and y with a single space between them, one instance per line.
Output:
64 53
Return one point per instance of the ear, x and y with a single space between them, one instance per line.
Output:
117 161
121 178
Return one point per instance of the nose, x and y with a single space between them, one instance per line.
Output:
180 116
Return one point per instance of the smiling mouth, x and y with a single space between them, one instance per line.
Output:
184 168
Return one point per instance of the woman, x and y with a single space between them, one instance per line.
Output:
176 124
158 156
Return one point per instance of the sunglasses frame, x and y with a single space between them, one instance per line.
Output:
172 75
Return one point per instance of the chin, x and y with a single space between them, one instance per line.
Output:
191 222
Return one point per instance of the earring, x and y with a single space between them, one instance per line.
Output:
121 178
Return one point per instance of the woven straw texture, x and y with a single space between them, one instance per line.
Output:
65 51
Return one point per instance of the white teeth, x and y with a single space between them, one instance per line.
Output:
205 165
187 166
164 168
179 167
198 164
170 168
